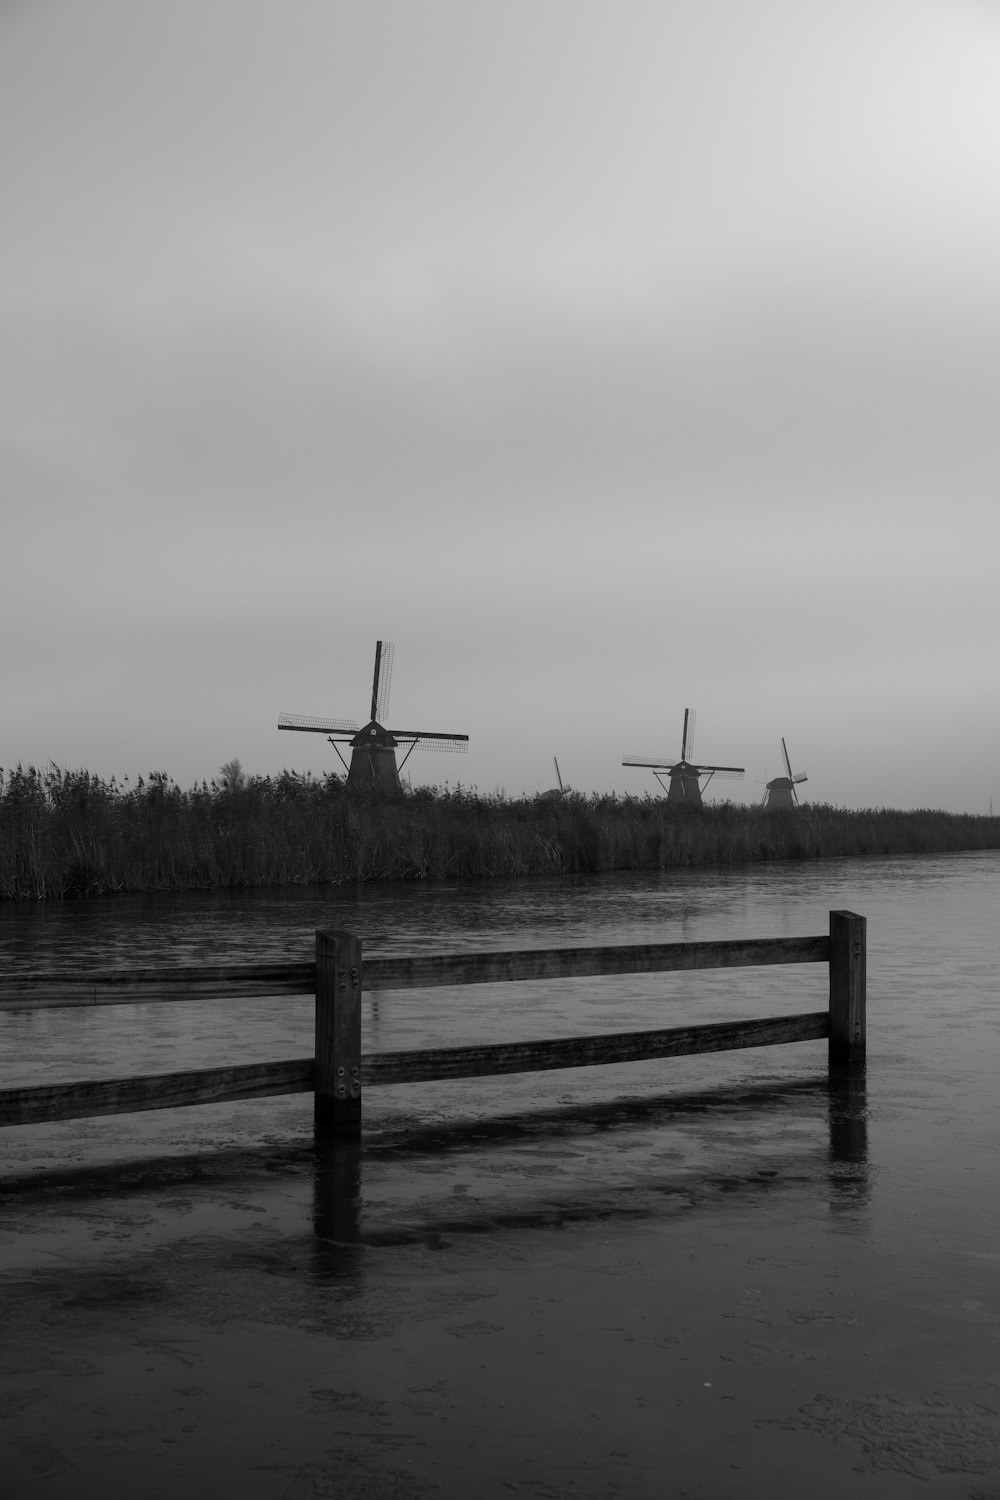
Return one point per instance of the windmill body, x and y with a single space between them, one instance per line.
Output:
373 758
683 783
373 747
780 794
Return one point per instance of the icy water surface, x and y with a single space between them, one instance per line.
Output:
712 1276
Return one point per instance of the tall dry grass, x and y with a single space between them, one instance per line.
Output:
67 833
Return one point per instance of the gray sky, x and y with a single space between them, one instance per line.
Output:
609 358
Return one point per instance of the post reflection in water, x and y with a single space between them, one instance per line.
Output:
337 1205
848 1115
568 1162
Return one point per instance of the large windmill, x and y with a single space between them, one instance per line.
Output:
781 793
685 776
373 747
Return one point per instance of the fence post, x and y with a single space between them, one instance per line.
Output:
337 1107
848 979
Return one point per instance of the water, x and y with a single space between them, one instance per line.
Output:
934 958
719 1267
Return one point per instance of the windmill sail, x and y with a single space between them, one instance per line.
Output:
687 738
317 726
457 744
384 653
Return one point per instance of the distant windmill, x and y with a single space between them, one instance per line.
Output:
781 793
373 748
685 777
555 792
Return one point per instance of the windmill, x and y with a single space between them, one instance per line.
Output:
781 793
373 747
555 792
685 777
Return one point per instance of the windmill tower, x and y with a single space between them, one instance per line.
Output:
373 747
684 784
780 793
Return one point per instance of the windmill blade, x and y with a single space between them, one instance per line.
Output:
451 747
800 777
656 764
558 777
687 739
457 744
317 726
788 764
382 679
381 698
378 664
733 773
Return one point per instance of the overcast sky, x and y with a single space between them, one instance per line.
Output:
610 358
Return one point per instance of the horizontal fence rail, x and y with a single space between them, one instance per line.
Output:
339 976
419 971
154 986
118 1096
589 1051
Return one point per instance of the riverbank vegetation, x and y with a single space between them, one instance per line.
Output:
69 833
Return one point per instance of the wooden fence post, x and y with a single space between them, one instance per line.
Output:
848 979
338 1033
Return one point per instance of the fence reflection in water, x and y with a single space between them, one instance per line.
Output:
750 1142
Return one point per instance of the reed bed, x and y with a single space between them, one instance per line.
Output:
66 833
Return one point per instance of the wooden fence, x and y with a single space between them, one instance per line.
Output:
338 1069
